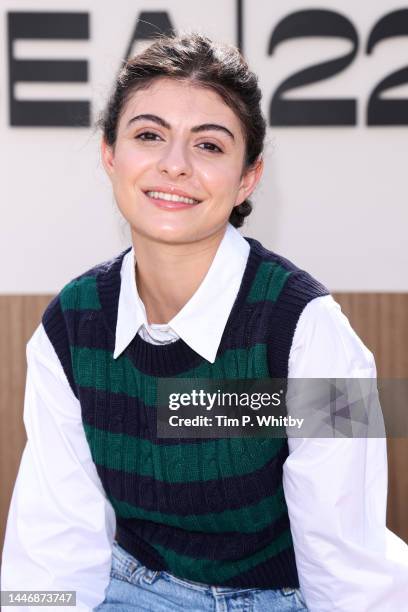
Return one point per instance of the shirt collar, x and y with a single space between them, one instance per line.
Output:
201 321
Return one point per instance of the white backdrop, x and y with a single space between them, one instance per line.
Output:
332 199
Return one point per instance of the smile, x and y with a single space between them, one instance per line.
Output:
169 197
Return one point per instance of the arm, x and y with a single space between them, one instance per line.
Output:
60 526
336 489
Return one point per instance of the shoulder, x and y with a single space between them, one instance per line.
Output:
326 345
279 277
81 292
74 307
322 342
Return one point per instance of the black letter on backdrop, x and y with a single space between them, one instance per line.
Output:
380 111
148 25
47 26
240 25
313 112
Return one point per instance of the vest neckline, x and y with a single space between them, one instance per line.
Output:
166 359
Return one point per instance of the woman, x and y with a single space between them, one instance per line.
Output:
130 521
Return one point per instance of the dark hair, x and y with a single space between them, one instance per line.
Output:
198 59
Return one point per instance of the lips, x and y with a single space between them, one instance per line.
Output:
172 191
170 205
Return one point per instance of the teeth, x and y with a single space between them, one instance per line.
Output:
170 197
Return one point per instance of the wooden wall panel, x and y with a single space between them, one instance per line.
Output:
380 319
19 316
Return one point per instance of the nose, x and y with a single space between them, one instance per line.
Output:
175 160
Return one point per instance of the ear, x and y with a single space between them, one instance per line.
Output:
249 180
107 156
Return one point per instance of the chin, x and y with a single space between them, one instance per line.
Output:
166 233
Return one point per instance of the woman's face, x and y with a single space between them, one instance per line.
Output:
181 140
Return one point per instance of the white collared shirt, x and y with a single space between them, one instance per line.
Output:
201 321
61 526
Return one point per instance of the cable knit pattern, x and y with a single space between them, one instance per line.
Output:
212 511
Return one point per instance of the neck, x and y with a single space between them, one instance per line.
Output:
168 275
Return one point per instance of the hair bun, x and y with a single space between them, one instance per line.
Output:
239 213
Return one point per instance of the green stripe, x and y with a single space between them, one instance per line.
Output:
97 369
268 282
209 571
206 460
80 294
247 519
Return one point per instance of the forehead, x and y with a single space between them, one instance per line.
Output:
180 101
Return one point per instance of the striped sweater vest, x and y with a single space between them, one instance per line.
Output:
211 511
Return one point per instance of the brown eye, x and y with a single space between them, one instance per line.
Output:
211 144
139 136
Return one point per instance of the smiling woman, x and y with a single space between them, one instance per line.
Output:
190 129
132 521
190 145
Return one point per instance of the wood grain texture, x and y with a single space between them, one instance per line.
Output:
19 316
380 319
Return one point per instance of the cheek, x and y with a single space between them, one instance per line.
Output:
130 164
224 183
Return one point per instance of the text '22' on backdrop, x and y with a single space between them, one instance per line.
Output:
335 84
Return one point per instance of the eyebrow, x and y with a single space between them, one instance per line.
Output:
197 128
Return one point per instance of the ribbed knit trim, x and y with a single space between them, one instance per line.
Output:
274 573
300 289
57 332
168 359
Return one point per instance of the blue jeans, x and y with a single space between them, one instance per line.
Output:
134 588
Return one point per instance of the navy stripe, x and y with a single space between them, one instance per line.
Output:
229 546
85 322
200 497
275 573
130 416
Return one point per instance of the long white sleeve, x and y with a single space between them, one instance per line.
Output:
336 489
60 526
